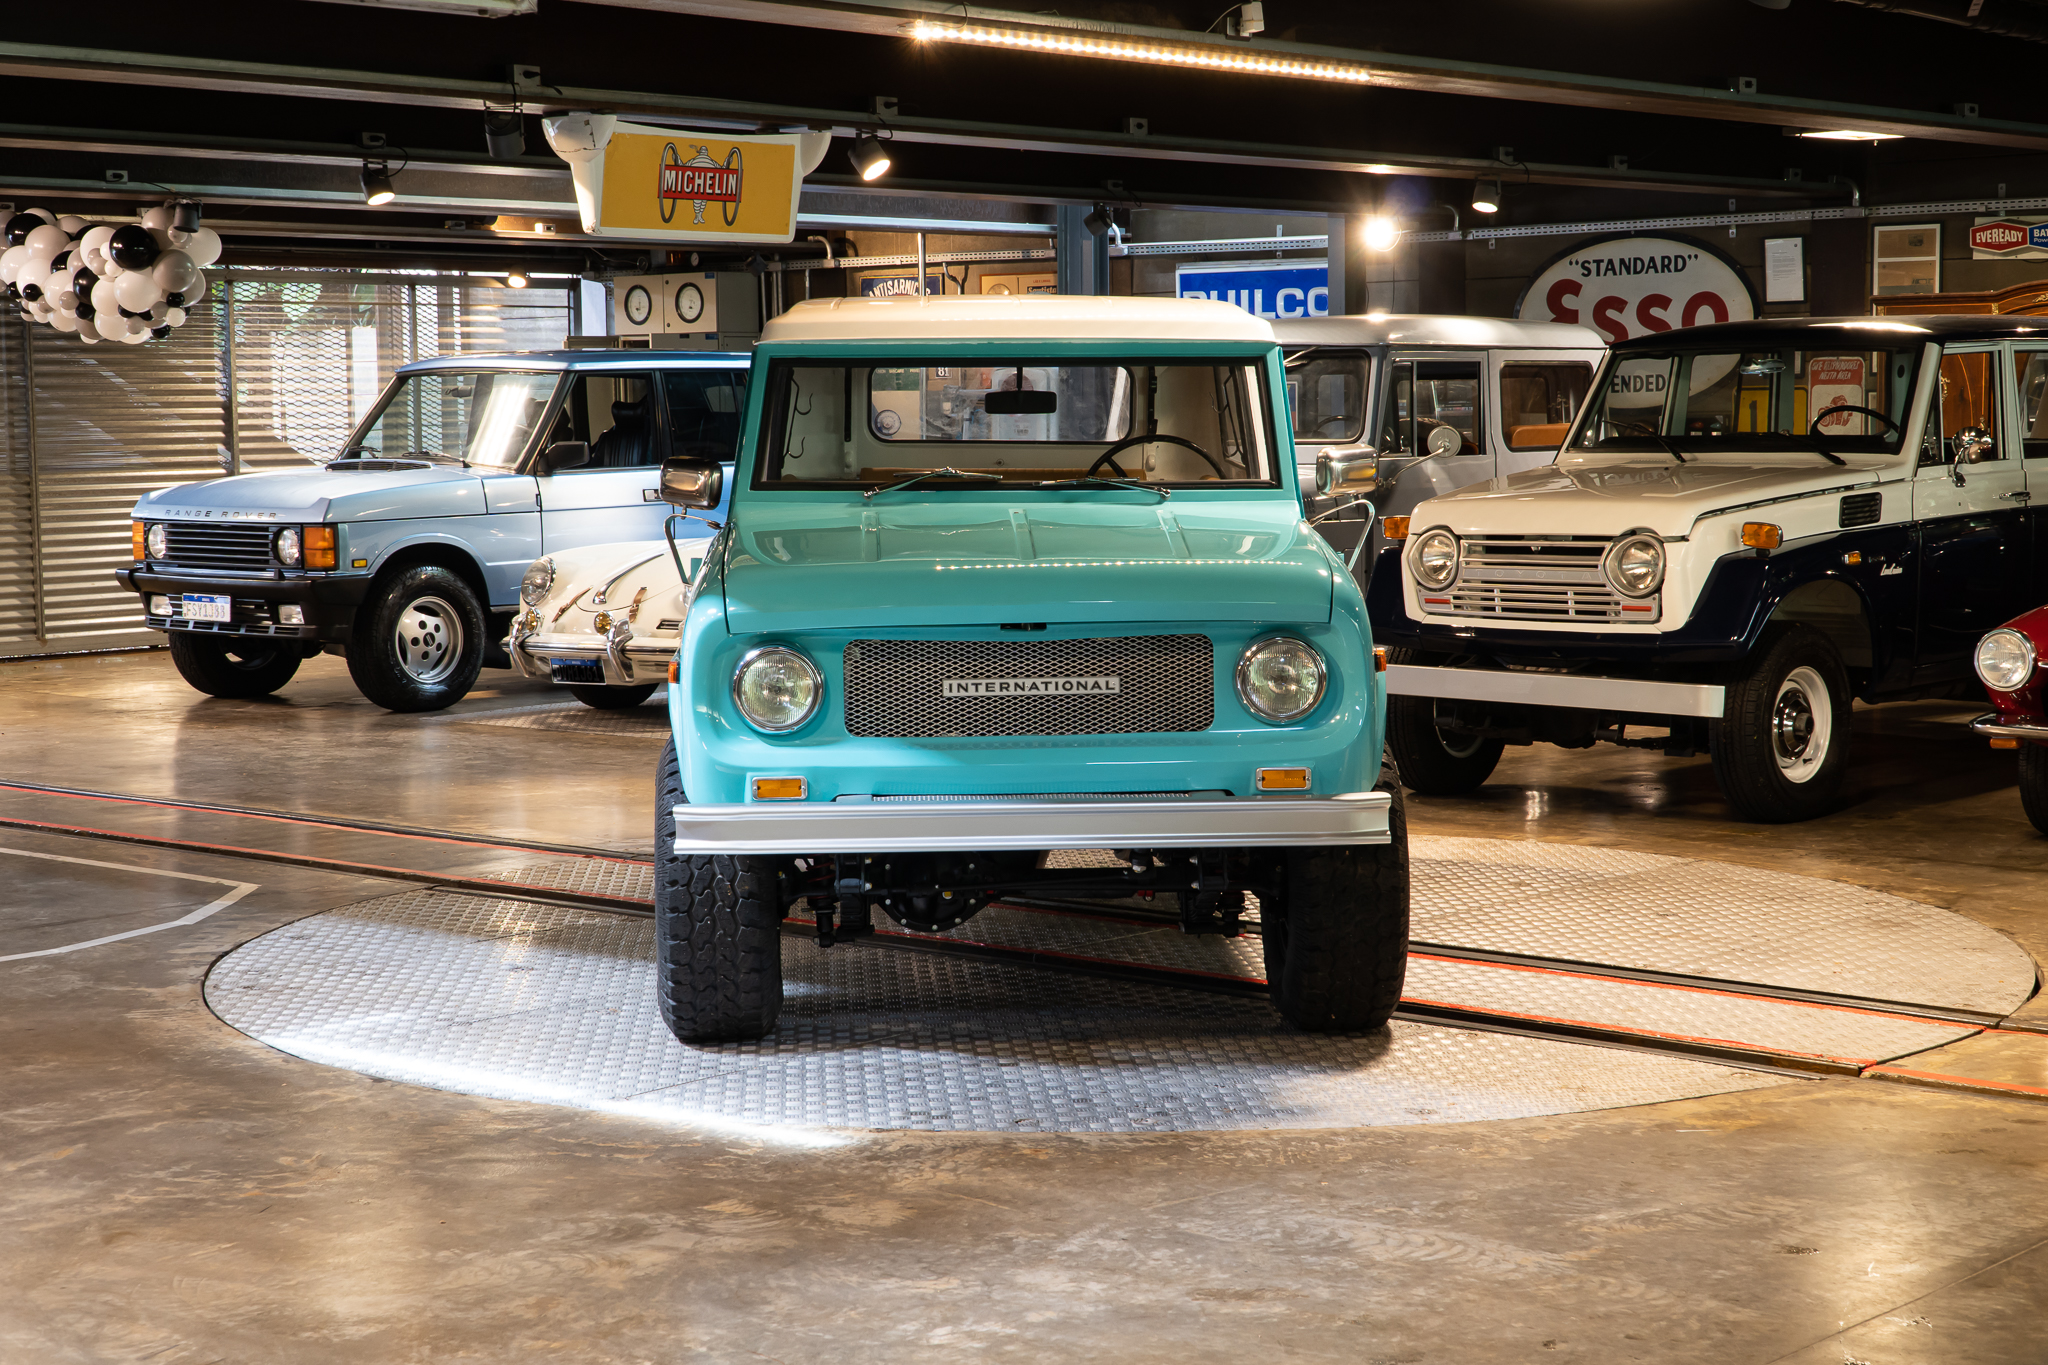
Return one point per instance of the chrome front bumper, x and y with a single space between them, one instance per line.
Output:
1033 826
624 660
1556 689
1991 727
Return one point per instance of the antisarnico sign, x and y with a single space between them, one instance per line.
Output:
1626 287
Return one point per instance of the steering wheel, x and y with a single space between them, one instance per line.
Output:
1648 429
1814 429
1108 457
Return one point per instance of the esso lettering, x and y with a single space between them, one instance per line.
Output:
1655 382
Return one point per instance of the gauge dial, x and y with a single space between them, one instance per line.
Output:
639 305
689 303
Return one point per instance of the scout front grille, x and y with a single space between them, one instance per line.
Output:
218 547
1514 578
896 689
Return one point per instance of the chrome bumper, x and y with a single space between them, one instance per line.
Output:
624 663
1033 826
1556 689
1991 727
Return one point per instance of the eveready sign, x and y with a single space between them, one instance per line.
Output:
2001 236
1633 286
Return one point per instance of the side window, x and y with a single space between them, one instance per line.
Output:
2033 411
1538 399
1433 409
704 408
1969 406
1397 422
615 414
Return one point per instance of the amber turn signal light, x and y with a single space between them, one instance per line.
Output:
1379 658
1761 535
2005 742
675 670
1396 528
1281 779
135 534
779 788
319 546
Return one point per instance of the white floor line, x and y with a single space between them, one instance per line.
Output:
240 889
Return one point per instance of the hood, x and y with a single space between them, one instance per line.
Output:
1607 499
964 561
321 495
629 579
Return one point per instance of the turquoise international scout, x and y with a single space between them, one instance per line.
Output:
1009 575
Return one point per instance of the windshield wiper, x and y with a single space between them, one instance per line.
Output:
1099 481
946 473
1669 448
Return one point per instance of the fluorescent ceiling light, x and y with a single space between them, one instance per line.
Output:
1201 56
1851 135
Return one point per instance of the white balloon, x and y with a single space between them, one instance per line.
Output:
104 301
43 214
176 317
48 240
163 239
96 239
203 246
67 302
72 224
159 310
136 338
11 261
197 290
64 322
109 268
174 272
87 333
157 218
137 291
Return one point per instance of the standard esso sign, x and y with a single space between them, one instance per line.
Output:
1634 286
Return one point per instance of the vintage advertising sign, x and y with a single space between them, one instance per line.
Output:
654 184
1833 381
1282 289
2012 239
1626 287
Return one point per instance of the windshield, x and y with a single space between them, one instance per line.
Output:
1757 400
480 418
1019 421
1326 391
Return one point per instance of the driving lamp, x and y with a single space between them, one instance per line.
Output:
2005 659
776 689
1280 679
1635 565
540 576
1435 559
157 541
287 547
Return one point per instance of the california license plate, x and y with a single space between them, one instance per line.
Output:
199 608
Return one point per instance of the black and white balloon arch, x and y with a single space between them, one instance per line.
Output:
132 284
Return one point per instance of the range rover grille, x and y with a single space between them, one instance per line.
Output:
1523 578
895 689
218 547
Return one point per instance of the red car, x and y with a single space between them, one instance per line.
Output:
2008 663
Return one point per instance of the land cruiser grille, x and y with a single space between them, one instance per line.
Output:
1521 578
218 547
895 688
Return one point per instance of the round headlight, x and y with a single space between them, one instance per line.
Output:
2005 659
1281 679
1635 565
1435 558
776 689
287 546
156 541
540 576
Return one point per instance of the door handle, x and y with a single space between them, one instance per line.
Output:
2021 496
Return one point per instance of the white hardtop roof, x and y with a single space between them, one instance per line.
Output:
1004 317
1433 329
587 358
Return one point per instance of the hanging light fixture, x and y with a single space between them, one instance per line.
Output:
1486 197
870 158
1381 233
377 183
517 278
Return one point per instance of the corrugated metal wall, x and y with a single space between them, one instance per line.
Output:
305 354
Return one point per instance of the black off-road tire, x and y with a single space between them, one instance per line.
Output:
1432 762
229 667
605 697
1767 770
717 932
443 649
1337 942
2034 784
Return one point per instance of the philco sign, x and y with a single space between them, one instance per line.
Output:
1633 286
664 184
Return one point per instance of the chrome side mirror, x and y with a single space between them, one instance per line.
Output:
1973 444
691 483
1347 469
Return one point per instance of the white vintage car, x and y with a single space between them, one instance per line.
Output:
603 620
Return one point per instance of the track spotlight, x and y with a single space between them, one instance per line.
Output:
1381 233
1099 221
504 134
1486 197
377 183
517 279
185 215
870 158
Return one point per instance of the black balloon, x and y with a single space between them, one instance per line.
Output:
160 332
174 300
31 292
133 248
20 226
83 280
85 310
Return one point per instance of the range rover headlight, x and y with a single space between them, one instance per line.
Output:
2005 659
540 576
156 541
776 689
1281 679
287 547
1435 559
1634 565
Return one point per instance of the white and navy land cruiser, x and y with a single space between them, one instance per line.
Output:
1749 525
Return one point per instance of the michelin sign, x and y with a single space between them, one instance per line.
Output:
651 184
1292 289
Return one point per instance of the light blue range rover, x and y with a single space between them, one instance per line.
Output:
406 552
1009 575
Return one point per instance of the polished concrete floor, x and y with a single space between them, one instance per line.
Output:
175 1192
